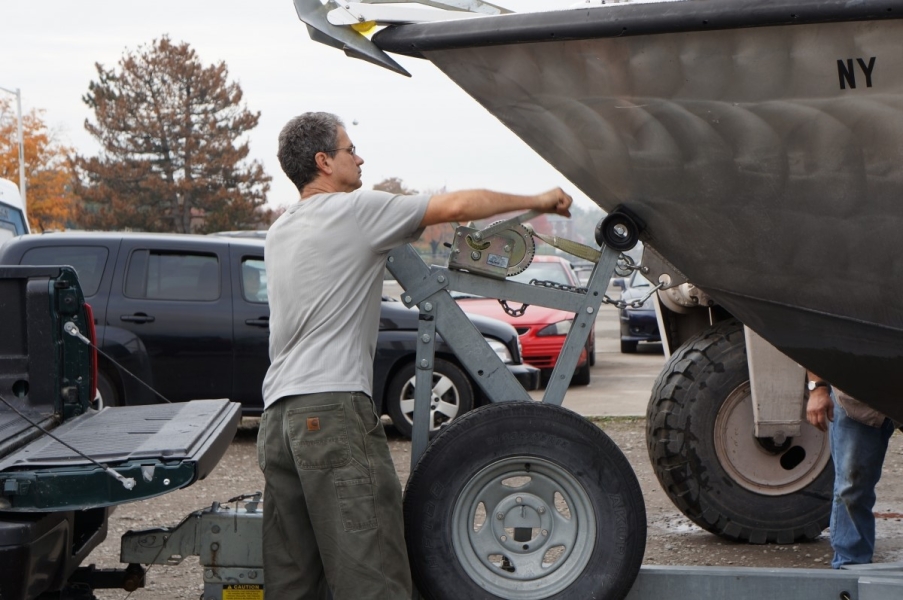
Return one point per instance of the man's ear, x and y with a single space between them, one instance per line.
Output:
323 165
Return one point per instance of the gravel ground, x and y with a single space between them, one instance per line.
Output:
672 539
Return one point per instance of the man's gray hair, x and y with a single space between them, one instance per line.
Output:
300 141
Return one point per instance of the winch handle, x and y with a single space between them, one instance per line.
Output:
501 225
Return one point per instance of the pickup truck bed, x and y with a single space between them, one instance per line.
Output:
57 453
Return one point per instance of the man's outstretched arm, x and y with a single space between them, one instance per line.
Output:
472 205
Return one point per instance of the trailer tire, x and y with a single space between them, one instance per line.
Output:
551 494
701 444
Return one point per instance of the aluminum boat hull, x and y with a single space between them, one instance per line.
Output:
761 143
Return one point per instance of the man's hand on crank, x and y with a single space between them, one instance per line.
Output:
556 201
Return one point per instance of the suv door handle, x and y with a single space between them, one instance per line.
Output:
261 322
137 318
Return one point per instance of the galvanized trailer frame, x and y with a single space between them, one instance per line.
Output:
228 539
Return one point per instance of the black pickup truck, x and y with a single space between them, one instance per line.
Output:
188 315
63 465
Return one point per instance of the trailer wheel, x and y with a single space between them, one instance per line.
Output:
699 432
524 501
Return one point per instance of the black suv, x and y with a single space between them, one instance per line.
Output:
188 315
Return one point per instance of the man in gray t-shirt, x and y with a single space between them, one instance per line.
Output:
332 504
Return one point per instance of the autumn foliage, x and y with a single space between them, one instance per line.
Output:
173 144
47 171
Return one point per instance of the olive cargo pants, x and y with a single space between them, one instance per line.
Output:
332 517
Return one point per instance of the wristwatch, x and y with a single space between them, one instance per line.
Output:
818 384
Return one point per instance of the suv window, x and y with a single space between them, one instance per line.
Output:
253 280
88 261
160 275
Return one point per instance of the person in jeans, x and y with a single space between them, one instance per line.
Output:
859 436
332 520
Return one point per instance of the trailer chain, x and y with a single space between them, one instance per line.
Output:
519 312
638 303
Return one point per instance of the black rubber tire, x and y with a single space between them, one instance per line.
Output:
581 375
628 347
562 449
462 388
680 430
107 394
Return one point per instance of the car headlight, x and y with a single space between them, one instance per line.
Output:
500 349
559 328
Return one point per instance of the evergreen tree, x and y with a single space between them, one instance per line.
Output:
173 147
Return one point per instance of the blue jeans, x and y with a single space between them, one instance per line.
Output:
858 451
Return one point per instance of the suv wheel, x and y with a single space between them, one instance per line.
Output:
452 396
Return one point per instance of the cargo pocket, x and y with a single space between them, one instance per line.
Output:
357 503
319 436
262 443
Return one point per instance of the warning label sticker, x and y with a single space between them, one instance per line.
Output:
243 591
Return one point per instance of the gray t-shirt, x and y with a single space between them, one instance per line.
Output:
324 261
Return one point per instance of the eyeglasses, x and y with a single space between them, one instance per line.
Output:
350 149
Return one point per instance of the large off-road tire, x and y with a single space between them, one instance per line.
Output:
452 396
524 501
700 435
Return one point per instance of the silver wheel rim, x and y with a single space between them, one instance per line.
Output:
445 401
510 501
753 467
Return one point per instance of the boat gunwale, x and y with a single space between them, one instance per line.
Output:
626 20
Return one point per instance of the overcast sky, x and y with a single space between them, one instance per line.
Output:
423 129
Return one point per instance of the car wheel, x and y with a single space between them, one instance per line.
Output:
699 432
628 347
452 396
581 375
106 392
524 501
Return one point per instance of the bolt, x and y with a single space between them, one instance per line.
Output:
441 279
209 573
545 532
458 234
500 516
541 510
504 538
507 248
215 529
424 363
166 482
391 259
427 306
407 299
518 499
425 338
477 236
620 230
214 546
475 255
589 309
252 575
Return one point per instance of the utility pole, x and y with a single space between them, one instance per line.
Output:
18 94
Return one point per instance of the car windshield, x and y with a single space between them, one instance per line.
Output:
544 271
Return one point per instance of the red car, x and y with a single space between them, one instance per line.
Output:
542 330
